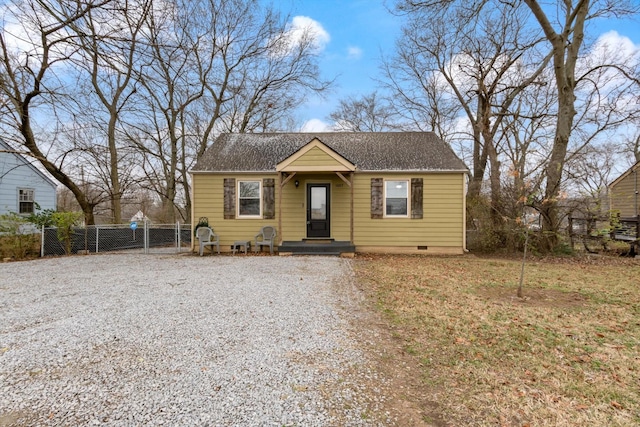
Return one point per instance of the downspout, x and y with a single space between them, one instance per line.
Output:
465 191
636 189
280 186
193 212
636 205
351 235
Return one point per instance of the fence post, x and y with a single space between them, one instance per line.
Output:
42 243
145 234
97 237
570 227
178 235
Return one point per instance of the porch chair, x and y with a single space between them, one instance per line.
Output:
265 237
207 237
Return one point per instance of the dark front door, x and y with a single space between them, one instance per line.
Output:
318 210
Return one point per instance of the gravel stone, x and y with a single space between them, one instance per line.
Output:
182 340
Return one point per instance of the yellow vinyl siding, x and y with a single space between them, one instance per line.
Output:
294 220
208 202
442 224
314 157
294 206
623 197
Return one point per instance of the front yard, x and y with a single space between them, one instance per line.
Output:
566 354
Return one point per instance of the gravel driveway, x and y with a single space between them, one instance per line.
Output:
120 339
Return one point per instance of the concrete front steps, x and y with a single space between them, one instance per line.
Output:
317 247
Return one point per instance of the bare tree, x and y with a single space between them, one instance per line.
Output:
592 95
367 113
108 44
634 147
32 52
421 101
263 68
592 169
170 81
526 132
566 33
214 65
486 56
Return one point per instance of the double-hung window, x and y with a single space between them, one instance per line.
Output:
249 200
26 200
396 198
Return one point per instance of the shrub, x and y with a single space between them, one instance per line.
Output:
17 237
64 222
44 218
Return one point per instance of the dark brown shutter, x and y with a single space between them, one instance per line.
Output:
416 198
268 198
376 198
229 198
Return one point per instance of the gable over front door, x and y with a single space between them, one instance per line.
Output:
318 210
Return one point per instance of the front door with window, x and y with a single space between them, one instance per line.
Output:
318 210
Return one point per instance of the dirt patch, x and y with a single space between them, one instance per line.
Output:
550 298
397 373
406 399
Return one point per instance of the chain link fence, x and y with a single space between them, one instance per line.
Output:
150 238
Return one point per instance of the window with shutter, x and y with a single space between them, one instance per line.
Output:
249 200
396 198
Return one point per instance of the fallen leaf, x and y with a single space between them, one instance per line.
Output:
616 405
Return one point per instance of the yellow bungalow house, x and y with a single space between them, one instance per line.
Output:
335 192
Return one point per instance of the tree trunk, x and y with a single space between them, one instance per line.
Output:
496 190
553 172
565 54
116 194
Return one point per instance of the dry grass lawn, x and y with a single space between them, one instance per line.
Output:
566 354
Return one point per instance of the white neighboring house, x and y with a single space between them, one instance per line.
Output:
22 185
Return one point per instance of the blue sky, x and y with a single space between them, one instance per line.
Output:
358 32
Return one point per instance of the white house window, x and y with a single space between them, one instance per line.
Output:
396 198
25 200
249 198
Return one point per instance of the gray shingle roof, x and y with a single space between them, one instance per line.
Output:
369 151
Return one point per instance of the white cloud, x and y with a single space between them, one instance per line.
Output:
354 53
302 31
17 34
315 125
615 47
303 26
